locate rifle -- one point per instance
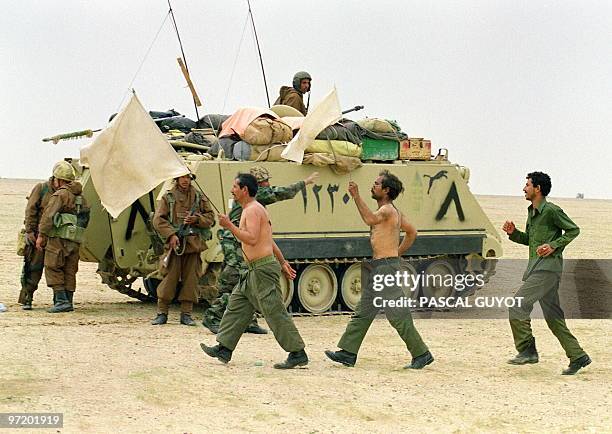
(89, 133)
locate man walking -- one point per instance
(259, 287)
(233, 262)
(547, 233)
(183, 211)
(385, 223)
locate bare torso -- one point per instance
(384, 236)
(255, 213)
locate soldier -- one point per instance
(294, 96)
(233, 261)
(60, 233)
(548, 231)
(385, 223)
(33, 259)
(259, 287)
(183, 218)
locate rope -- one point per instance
(129, 88)
(246, 20)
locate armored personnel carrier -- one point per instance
(319, 231)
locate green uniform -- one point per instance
(33, 259)
(546, 224)
(233, 262)
(366, 311)
(259, 289)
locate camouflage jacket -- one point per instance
(232, 252)
(37, 201)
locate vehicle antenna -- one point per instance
(263, 72)
(171, 12)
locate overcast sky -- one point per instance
(507, 86)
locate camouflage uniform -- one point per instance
(186, 267)
(233, 262)
(33, 260)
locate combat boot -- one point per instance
(528, 355)
(421, 361)
(161, 318)
(187, 320)
(25, 298)
(218, 351)
(61, 302)
(256, 329)
(344, 357)
(576, 365)
(214, 328)
(70, 295)
(296, 358)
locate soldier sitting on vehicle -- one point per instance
(233, 261)
(294, 95)
(183, 212)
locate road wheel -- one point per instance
(436, 281)
(351, 286)
(286, 287)
(317, 288)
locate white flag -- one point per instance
(326, 113)
(129, 158)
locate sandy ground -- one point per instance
(107, 369)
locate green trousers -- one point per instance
(259, 289)
(542, 286)
(366, 311)
(228, 279)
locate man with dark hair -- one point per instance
(294, 95)
(233, 262)
(385, 223)
(391, 182)
(259, 288)
(547, 233)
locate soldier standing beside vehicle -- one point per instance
(183, 218)
(547, 233)
(233, 261)
(33, 259)
(60, 233)
(259, 287)
(294, 95)
(385, 223)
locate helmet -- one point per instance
(261, 174)
(298, 77)
(64, 170)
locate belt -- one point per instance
(270, 259)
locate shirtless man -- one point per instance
(259, 289)
(385, 223)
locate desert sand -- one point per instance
(107, 369)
